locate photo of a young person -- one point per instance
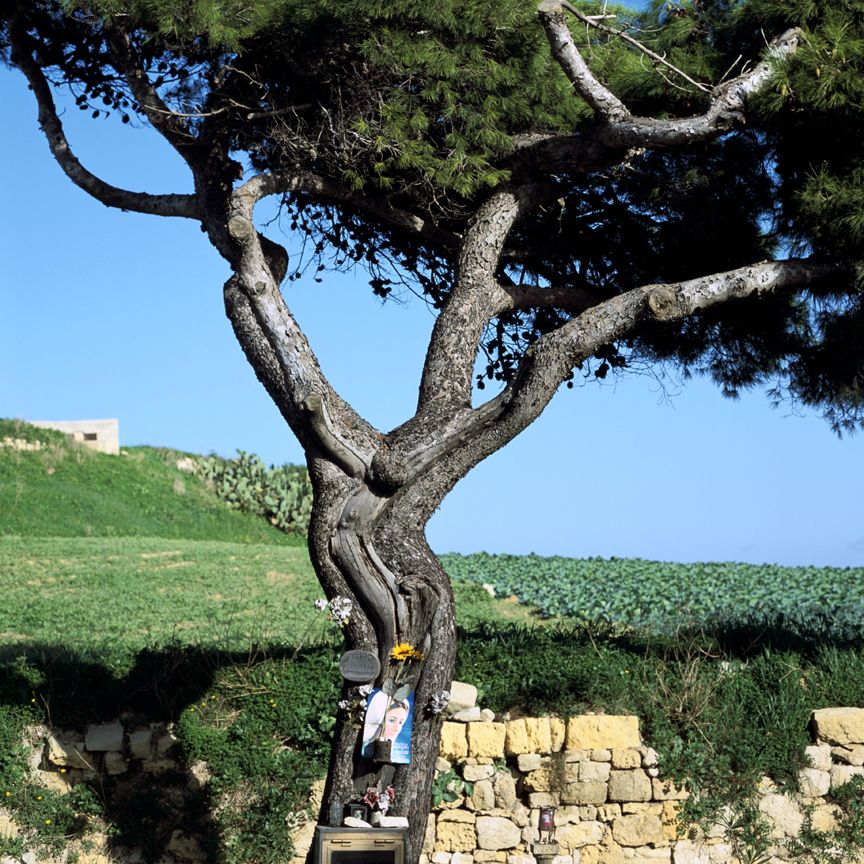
(389, 720)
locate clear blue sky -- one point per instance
(110, 314)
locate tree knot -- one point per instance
(664, 303)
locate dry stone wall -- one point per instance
(612, 803)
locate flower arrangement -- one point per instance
(381, 801)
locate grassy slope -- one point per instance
(123, 552)
(64, 490)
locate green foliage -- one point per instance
(67, 490)
(126, 593)
(809, 602)
(281, 495)
(448, 786)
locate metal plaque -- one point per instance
(359, 666)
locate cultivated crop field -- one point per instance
(662, 597)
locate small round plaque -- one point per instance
(359, 666)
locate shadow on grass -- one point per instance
(284, 702)
(731, 702)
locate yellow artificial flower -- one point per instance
(403, 652)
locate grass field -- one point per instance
(131, 592)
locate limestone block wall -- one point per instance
(613, 804)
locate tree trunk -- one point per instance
(365, 547)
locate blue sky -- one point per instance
(110, 314)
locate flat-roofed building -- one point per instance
(102, 435)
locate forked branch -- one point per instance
(622, 129)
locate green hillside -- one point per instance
(64, 489)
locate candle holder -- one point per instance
(547, 847)
(546, 824)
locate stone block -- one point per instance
(165, 742)
(529, 762)
(824, 817)
(819, 756)
(115, 763)
(484, 795)
(539, 781)
(814, 783)
(638, 830)
(602, 732)
(542, 799)
(783, 813)
(486, 739)
(842, 774)
(429, 836)
(563, 815)
(649, 855)
(666, 790)
(528, 735)
(9, 830)
(505, 790)
(519, 814)
(462, 858)
(839, 725)
(629, 786)
(608, 812)
(103, 737)
(688, 852)
(852, 755)
(588, 812)
(457, 816)
(66, 754)
(441, 857)
(653, 808)
(496, 832)
(557, 733)
(576, 755)
(602, 755)
(584, 793)
(671, 820)
(580, 834)
(720, 853)
(650, 757)
(487, 856)
(462, 696)
(626, 757)
(140, 743)
(594, 772)
(454, 741)
(487, 716)
(520, 858)
(473, 773)
(454, 837)
(468, 715)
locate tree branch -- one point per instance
(620, 129)
(23, 48)
(608, 106)
(377, 207)
(173, 127)
(321, 420)
(548, 363)
(593, 21)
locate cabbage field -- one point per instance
(662, 597)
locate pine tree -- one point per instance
(571, 189)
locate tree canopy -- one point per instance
(408, 114)
(576, 190)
